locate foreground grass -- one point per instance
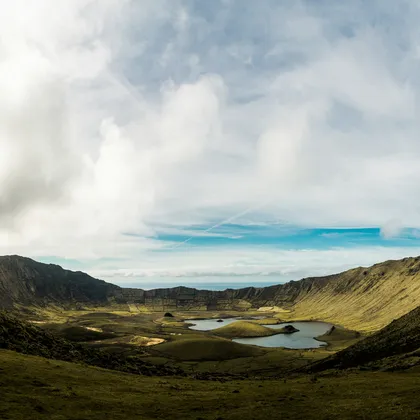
(37, 388)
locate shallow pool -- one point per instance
(302, 339)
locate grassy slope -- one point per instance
(25, 338)
(206, 348)
(339, 338)
(35, 388)
(363, 299)
(396, 345)
(244, 329)
(79, 334)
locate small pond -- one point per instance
(302, 339)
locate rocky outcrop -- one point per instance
(289, 329)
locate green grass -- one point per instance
(36, 388)
(184, 348)
(26, 338)
(244, 329)
(394, 347)
(339, 338)
(266, 321)
(79, 334)
(272, 362)
(206, 348)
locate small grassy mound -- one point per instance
(200, 349)
(101, 315)
(172, 321)
(242, 329)
(339, 334)
(80, 334)
(267, 321)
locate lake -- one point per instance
(302, 339)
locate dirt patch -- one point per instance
(94, 329)
(272, 309)
(146, 341)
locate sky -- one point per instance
(215, 144)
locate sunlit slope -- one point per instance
(397, 346)
(362, 299)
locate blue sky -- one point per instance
(241, 255)
(214, 143)
(286, 237)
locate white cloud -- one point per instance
(119, 116)
(254, 263)
(391, 228)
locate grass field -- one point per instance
(243, 381)
(37, 388)
(206, 348)
(190, 350)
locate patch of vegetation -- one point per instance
(206, 348)
(338, 334)
(242, 329)
(266, 321)
(339, 338)
(79, 334)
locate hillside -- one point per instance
(27, 282)
(395, 346)
(36, 388)
(23, 337)
(364, 299)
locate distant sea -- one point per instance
(198, 285)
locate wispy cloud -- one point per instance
(253, 263)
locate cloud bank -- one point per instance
(138, 117)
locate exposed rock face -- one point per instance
(361, 298)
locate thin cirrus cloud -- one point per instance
(155, 117)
